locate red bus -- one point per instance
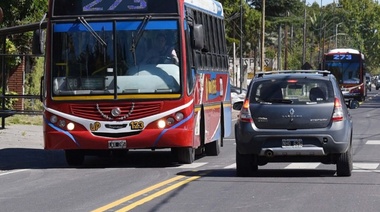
(348, 67)
(101, 94)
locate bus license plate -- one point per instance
(117, 144)
(292, 143)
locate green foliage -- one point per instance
(33, 85)
(25, 119)
(9, 102)
(12, 61)
(278, 8)
(21, 12)
(270, 53)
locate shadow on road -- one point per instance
(25, 158)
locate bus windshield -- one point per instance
(345, 72)
(104, 57)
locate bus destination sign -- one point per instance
(113, 5)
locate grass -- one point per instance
(24, 120)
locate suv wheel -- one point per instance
(344, 163)
(246, 164)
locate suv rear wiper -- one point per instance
(284, 101)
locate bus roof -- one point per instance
(344, 50)
(210, 6)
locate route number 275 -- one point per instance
(98, 5)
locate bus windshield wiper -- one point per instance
(135, 39)
(92, 31)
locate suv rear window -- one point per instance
(292, 91)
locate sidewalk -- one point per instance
(21, 136)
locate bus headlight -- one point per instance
(70, 126)
(61, 123)
(53, 119)
(161, 124)
(179, 116)
(170, 121)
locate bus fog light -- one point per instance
(61, 123)
(161, 124)
(170, 121)
(179, 116)
(53, 119)
(70, 126)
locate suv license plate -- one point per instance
(292, 143)
(118, 144)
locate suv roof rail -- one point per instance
(261, 74)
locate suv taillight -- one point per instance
(245, 115)
(338, 111)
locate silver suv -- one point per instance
(293, 116)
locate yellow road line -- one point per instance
(157, 194)
(122, 200)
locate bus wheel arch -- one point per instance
(213, 148)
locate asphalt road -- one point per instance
(34, 179)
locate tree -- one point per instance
(20, 12)
(278, 8)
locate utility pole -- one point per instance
(336, 34)
(320, 35)
(304, 35)
(241, 46)
(262, 36)
(286, 44)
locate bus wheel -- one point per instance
(74, 157)
(186, 155)
(213, 148)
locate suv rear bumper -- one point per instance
(269, 143)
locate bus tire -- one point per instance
(74, 157)
(213, 148)
(186, 155)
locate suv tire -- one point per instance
(246, 164)
(344, 164)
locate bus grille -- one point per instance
(102, 112)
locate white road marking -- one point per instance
(302, 166)
(366, 171)
(189, 166)
(366, 166)
(12, 172)
(373, 142)
(232, 166)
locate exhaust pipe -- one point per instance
(268, 153)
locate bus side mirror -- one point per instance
(198, 37)
(38, 45)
